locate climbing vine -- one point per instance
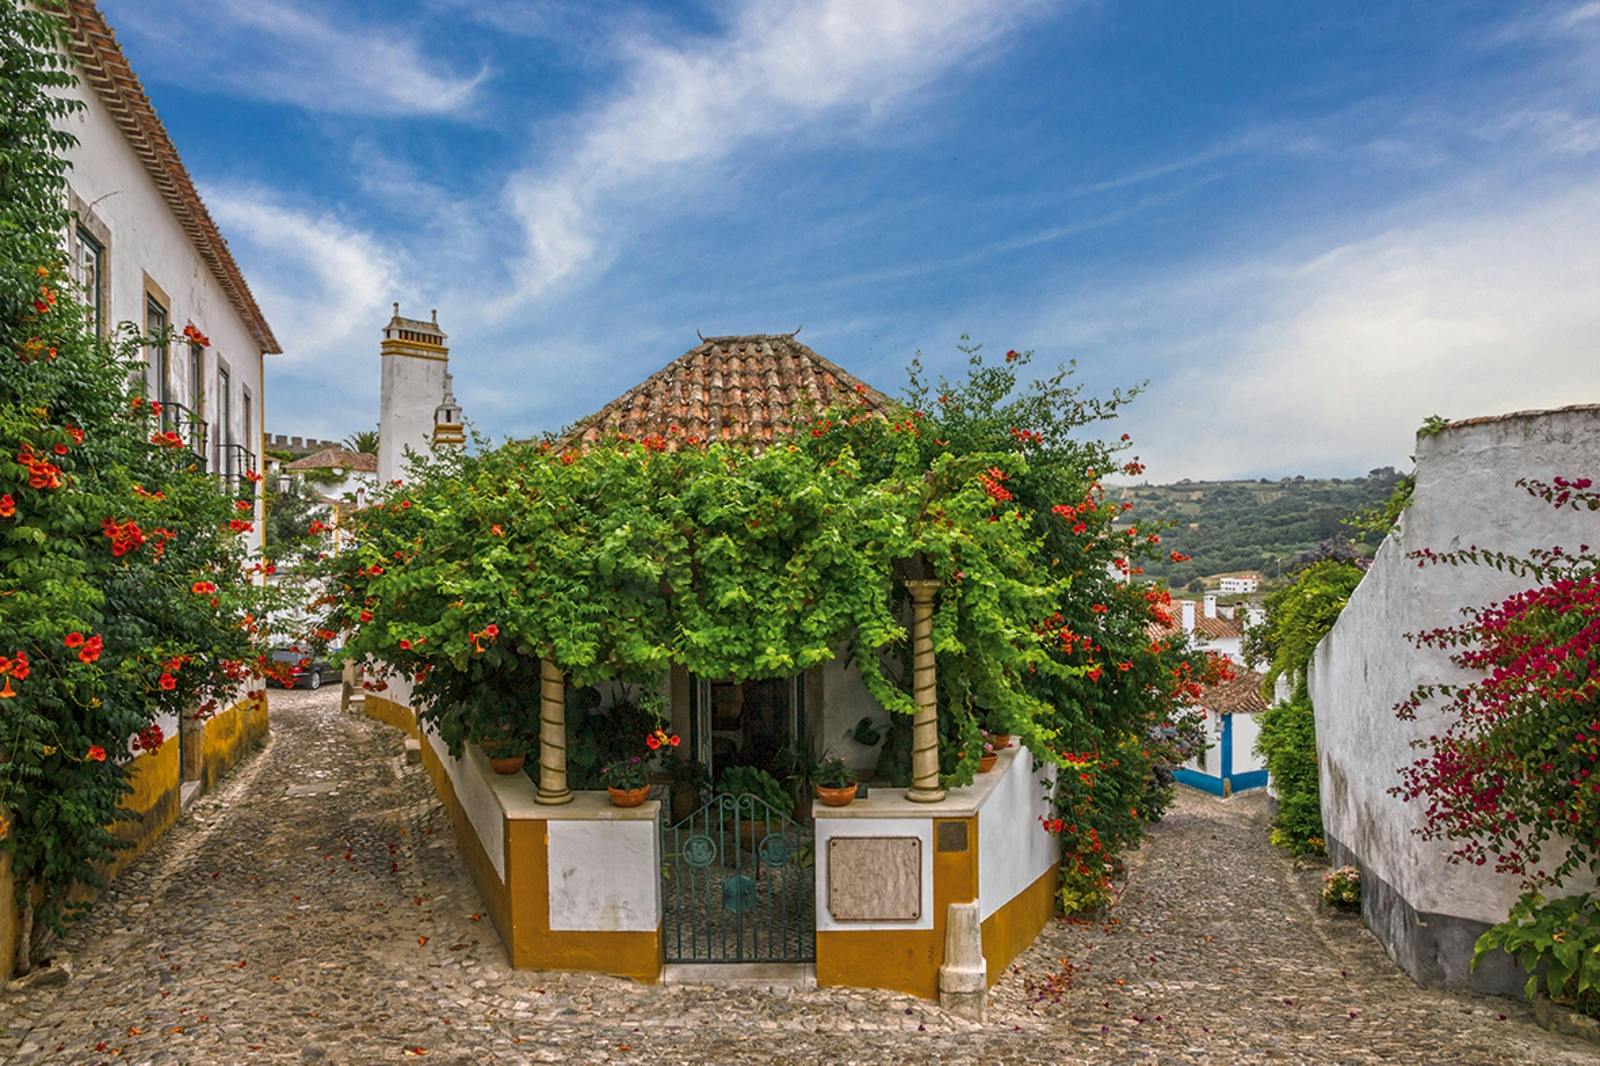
(124, 589)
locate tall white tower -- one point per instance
(416, 372)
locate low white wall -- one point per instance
(1014, 849)
(604, 875)
(1466, 494)
(828, 827)
(476, 796)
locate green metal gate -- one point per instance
(738, 885)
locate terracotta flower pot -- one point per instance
(1001, 741)
(507, 764)
(986, 763)
(501, 761)
(837, 797)
(628, 797)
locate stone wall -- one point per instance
(1428, 912)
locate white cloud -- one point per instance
(1329, 364)
(685, 109)
(323, 284)
(296, 53)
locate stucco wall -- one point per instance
(146, 239)
(412, 388)
(1014, 849)
(845, 702)
(1427, 911)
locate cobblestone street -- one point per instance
(313, 909)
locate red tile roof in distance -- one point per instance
(105, 70)
(1241, 695)
(748, 389)
(328, 458)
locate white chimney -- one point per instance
(1211, 605)
(1188, 615)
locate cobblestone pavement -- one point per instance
(312, 909)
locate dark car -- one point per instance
(301, 670)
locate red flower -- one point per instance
(203, 588)
(8, 506)
(675, 740)
(651, 742)
(1094, 673)
(167, 682)
(73, 639)
(91, 650)
(366, 616)
(1099, 608)
(491, 630)
(405, 645)
(96, 753)
(61, 449)
(76, 434)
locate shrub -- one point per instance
(1342, 888)
(833, 772)
(1288, 741)
(751, 781)
(1557, 943)
(1085, 885)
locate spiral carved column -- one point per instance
(552, 735)
(925, 689)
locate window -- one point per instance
(197, 378)
(155, 324)
(89, 273)
(224, 430)
(245, 425)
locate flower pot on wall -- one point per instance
(986, 763)
(502, 760)
(628, 797)
(1001, 741)
(837, 797)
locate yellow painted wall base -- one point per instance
(391, 713)
(519, 906)
(1008, 931)
(230, 734)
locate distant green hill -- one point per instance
(1253, 525)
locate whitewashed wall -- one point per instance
(1427, 911)
(146, 238)
(412, 388)
(845, 702)
(1014, 849)
(828, 828)
(605, 876)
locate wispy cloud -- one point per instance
(324, 285)
(297, 53)
(685, 108)
(1329, 363)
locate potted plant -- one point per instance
(999, 733)
(506, 751)
(690, 784)
(627, 780)
(986, 761)
(767, 792)
(835, 782)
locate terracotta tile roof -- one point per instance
(749, 389)
(1242, 695)
(105, 70)
(361, 462)
(1218, 628)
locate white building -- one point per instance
(418, 406)
(1238, 584)
(1230, 763)
(1427, 911)
(145, 251)
(1209, 627)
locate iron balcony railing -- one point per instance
(190, 428)
(238, 462)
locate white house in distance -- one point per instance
(1230, 764)
(144, 250)
(1243, 583)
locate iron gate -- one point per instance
(738, 885)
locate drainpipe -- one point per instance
(552, 735)
(925, 689)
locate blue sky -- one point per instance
(1307, 226)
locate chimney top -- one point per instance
(1211, 605)
(1188, 616)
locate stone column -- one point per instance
(552, 735)
(925, 689)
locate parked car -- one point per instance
(302, 670)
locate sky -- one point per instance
(1304, 228)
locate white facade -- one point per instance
(1235, 585)
(1427, 911)
(416, 371)
(143, 269)
(135, 253)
